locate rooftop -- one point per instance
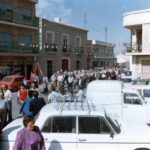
(63, 24)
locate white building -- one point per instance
(103, 54)
(139, 47)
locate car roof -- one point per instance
(72, 108)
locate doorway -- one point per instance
(64, 64)
(49, 68)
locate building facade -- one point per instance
(138, 22)
(62, 46)
(18, 36)
(102, 54)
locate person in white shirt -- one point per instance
(53, 96)
(53, 79)
(70, 82)
(60, 80)
(8, 97)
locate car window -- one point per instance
(60, 125)
(93, 125)
(131, 98)
(146, 92)
(18, 79)
(6, 79)
(128, 73)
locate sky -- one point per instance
(102, 18)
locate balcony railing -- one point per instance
(103, 55)
(133, 47)
(79, 50)
(66, 49)
(18, 18)
(18, 47)
(50, 47)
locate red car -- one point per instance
(13, 81)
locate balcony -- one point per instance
(101, 56)
(66, 49)
(79, 50)
(18, 48)
(49, 47)
(9, 16)
(133, 48)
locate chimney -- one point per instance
(58, 19)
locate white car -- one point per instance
(119, 101)
(81, 126)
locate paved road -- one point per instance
(16, 107)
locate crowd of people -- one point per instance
(75, 79)
(63, 85)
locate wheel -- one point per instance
(142, 149)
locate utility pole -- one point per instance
(106, 34)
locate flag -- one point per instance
(37, 69)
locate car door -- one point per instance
(94, 133)
(134, 107)
(60, 133)
(146, 95)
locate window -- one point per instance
(5, 6)
(18, 79)
(77, 64)
(65, 39)
(6, 40)
(24, 11)
(7, 79)
(131, 98)
(60, 125)
(24, 40)
(78, 41)
(146, 92)
(50, 37)
(24, 15)
(114, 124)
(93, 125)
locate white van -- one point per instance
(81, 126)
(119, 101)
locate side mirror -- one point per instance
(111, 134)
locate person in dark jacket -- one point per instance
(36, 104)
(26, 105)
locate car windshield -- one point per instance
(128, 73)
(114, 125)
(6, 79)
(141, 82)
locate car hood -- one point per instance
(134, 131)
(10, 131)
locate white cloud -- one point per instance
(51, 9)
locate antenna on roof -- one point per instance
(85, 20)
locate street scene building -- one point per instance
(138, 22)
(18, 36)
(63, 47)
(102, 54)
